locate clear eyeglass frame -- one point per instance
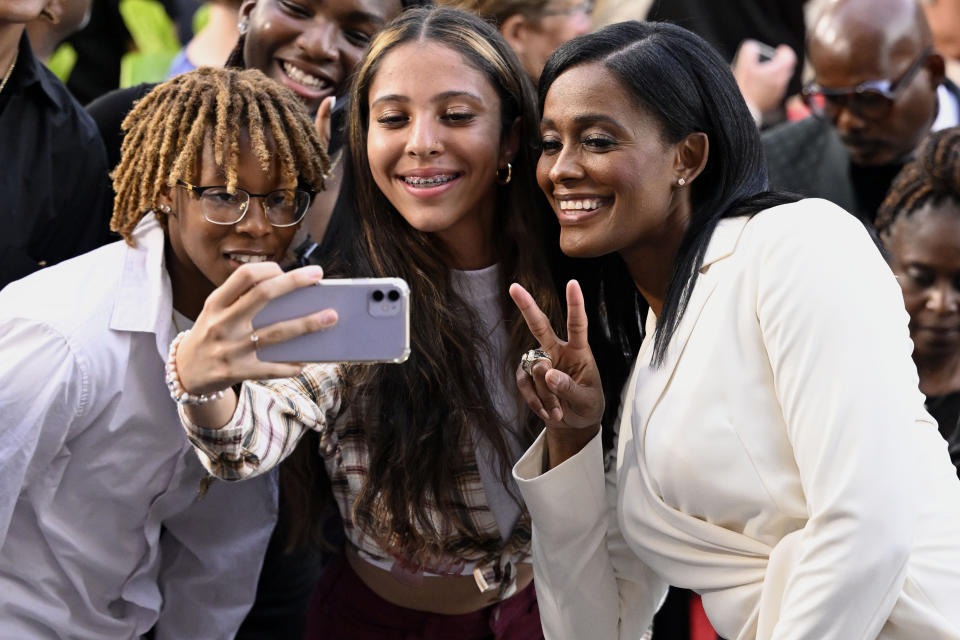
(219, 206)
(586, 7)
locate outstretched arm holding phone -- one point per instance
(221, 349)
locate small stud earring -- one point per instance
(165, 209)
(242, 27)
(681, 182)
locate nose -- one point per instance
(565, 168)
(254, 222)
(424, 138)
(847, 120)
(943, 299)
(319, 40)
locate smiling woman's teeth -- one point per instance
(244, 258)
(587, 204)
(427, 182)
(303, 77)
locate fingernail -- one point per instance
(557, 414)
(328, 317)
(313, 271)
(333, 102)
(544, 415)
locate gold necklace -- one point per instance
(10, 70)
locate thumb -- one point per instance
(583, 400)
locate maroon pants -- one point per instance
(344, 608)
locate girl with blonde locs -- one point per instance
(84, 344)
(416, 456)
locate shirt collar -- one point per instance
(948, 115)
(144, 300)
(30, 71)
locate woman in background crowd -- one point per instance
(919, 224)
(532, 28)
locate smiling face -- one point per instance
(925, 249)
(312, 46)
(434, 146)
(201, 254)
(605, 168)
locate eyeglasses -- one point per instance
(282, 208)
(585, 8)
(872, 99)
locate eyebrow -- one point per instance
(366, 16)
(440, 97)
(585, 119)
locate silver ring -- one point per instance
(530, 358)
(255, 339)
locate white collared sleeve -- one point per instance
(270, 418)
(44, 390)
(589, 583)
(835, 330)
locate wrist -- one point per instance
(563, 443)
(174, 384)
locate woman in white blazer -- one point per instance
(774, 454)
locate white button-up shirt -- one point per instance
(102, 530)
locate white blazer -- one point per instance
(779, 462)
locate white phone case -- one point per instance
(373, 322)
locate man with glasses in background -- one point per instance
(879, 88)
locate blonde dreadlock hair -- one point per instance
(166, 130)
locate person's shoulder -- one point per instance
(795, 130)
(812, 220)
(67, 295)
(116, 104)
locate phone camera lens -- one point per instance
(393, 295)
(377, 295)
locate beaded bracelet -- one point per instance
(177, 392)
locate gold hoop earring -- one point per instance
(505, 180)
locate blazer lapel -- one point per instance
(653, 382)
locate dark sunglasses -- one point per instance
(872, 99)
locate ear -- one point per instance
(514, 31)
(245, 9)
(691, 156)
(510, 143)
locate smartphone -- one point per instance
(373, 322)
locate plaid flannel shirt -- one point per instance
(271, 417)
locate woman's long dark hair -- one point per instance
(426, 408)
(679, 79)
